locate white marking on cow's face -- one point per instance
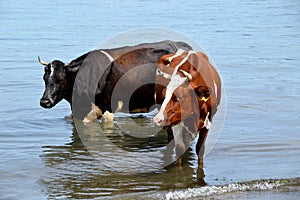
(182, 61)
(175, 82)
(207, 123)
(159, 117)
(163, 74)
(51, 70)
(178, 53)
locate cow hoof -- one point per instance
(200, 177)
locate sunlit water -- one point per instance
(256, 46)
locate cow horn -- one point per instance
(189, 76)
(42, 62)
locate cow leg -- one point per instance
(93, 115)
(179, 143)
(200, 146)
(168, 153)
(170, 134)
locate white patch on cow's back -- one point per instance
(107, 55)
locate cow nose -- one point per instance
(157, 121)
(45, 102)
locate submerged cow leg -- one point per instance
(93, 115)
(170, 134)
(179, 143)
(200, 146)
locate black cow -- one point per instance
(60, 77)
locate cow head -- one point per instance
(184, 94)
(185, 104)
(172, 111)
(171, 88)
(56, 82)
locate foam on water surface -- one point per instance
(215, 190)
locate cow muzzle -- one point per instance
(157, 121)
(160, 121)
(46, 103)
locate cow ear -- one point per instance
(72, 68)
(74, 65)
(203, 92)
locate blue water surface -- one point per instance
(256, 48)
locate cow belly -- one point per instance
(135, 89)
(142, 99)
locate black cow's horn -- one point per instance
(42, 62)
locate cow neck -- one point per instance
(72, 77)
(71, 80)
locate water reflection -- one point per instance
(75, 172)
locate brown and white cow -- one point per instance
(188, 88)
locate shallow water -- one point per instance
(256, 47)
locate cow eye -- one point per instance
(179, 98)
(59, 81)
(166, 62)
